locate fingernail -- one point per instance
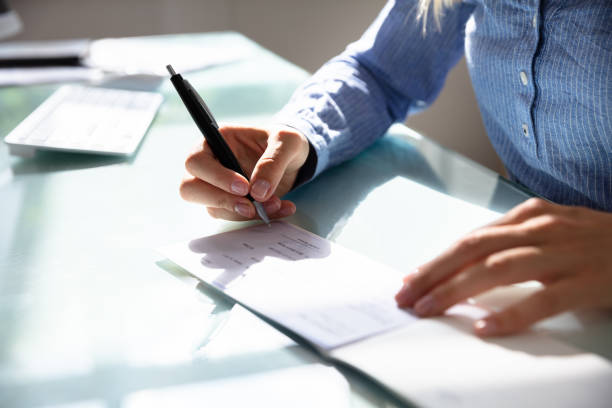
(425, 306)
(239, 187)
(403, 295)
(485, 327)
(260, 190)
(243, 209)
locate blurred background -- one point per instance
(306, 33)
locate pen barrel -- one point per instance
(213, 137)
(220, 148)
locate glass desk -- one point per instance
(92, 316)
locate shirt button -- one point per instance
(523, 77)
(525, 130)
(534, 22)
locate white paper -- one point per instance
(329, 294)
(440, 363)
(150, 56)
(325, 293)
(29, 76)
(44, 49)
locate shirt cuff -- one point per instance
(307, 171)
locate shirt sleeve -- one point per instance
(393, 70)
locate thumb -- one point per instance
(283, 153)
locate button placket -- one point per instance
(527, 81)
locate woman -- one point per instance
(542, 74)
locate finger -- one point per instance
(275, 208)
(410, 275)
(524, 211)
(236, 131)
(222, 214)
(203, 165)
(502, 268)
(464, 252)
(547, 302)
(286, 208)
(282, 148)
(198, 191)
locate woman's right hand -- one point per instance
(271, 158)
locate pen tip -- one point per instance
(170, 69)
(261, 212)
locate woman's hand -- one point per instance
(272, 158)
(567, 249)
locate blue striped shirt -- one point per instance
(541, 71)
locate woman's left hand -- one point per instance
(567, 249)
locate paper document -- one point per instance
(30, 76)
(325, 293)
(342, 303)
(149, 56)
(49, 51)
(96, 60)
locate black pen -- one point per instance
(208, 126)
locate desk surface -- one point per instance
(91, 315)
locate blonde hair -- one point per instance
(437, 7)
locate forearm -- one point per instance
(339, 110)
(391, 71)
